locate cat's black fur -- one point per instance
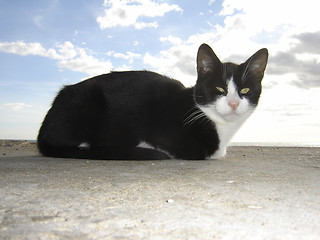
(113, 113)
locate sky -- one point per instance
(50, 43)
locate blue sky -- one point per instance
(47, 44)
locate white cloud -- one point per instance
(67, 50)
(22, 48)
(68, 56)
(141, 25)
(127, 13)
(86, 63)
(130, 56)
(127, 56)
(171, 39)
(177, 62)
(17, 107)
(269, 15)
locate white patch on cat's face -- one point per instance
(231, 107)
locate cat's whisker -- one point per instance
(191, 118)
(194, 116)
(193, 111)
(205, 120)
(191, 121)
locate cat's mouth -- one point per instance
(231, 116)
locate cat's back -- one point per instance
(126, 85)
(136, 80)
(129, 87)
(132, 89)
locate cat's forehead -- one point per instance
(228, 71)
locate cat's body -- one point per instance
(144, 115)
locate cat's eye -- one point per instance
(220, 89)
(244, 90)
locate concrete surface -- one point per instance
(254, 193)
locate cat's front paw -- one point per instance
(220, 153)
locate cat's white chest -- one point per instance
(225, 132)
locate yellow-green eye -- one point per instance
(220, 89)
(244, 90)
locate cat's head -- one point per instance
(227, 91)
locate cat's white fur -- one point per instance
(84, 145)
(227, 120)
(144, 144)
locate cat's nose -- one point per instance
(234, 105)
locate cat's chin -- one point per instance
(231, 117)
(218, 117)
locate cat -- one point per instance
(143, 115)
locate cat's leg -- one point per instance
(220, 153)
(139, 153)
(126, 153)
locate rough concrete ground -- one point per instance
(254, 193)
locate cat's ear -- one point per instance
(255, 66)
(207, 61)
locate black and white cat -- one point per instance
(144, 115)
